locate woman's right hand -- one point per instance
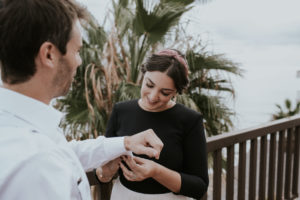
(107, 171)
(140, 168)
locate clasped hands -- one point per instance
(140, 168)
(146, 143)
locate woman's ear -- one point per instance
(174, 97)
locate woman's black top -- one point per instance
(182, 133)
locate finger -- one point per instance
(127, 174)
(125, 170)
(154, 142)
(131, 163)
(127, 177)
(149, 151)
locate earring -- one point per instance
(174, 98)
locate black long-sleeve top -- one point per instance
(182, 133)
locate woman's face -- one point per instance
(157, 90)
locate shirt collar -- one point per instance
(42, 116)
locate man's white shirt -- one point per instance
(36, 161)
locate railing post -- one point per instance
(280, 165)
(230, 173)
(242, 171)
(296, 163)
(272, 166)
(217, 179)
(262, 169)
(253, 166)
(288, 165)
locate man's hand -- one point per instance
(145, 142)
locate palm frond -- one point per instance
(186, 100)
(286, 111)
(200, 61)
(127, 91)
(156, 23)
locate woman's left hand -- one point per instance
(140, 168)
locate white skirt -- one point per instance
(120, 192)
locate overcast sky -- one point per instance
(262, 35)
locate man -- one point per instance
(39, 53)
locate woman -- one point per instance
(181, 170)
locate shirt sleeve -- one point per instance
(194, 177)
(42, 176)
(93, 153)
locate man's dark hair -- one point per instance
(173, 68)
(25, 25)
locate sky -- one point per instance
(263, 36)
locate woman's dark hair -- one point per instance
(169, 64)
(25, 25)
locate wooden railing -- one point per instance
(271, 171)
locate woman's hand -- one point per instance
(143, 168)
(140, 168)
(107, 171)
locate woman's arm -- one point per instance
(194, 175)
(168, 178)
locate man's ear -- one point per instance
(48, 54)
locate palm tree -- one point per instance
(288, 111)
(111, 60)
(110, 72)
